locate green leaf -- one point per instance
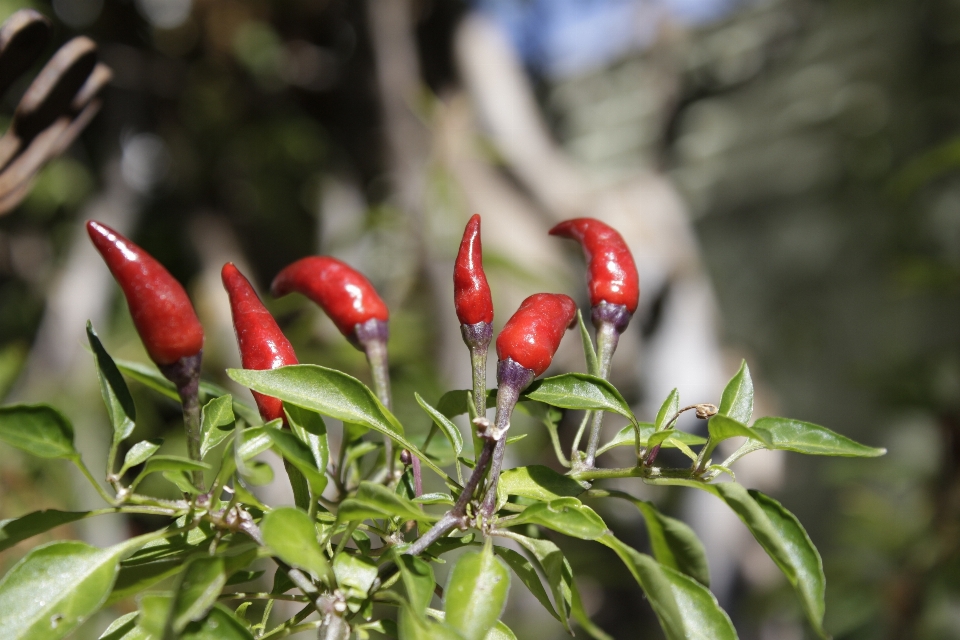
(579, 391)
(669, 408)
(418, 580)
(215, 414)
(415, 626)
(54, 588)
(291, 535)
(538, 482)
(476, 593)
(686, 609)
(556, 569)
(355, 574)
(331, 393)
(457, 402)
(567, 515)
(197, 591)
(151, 377)
(16, 530)
(219, 624)
(674, 544)
(737, 399)
(722, 427)
(627, 436)
(812, 439)
(528, 576)
(311, 429)
(450, 430)
(139, 453)
(589, 352)
(38, 429)
(500, 631)
(168, 463)
(781, 536)
(300, 456)
(116, 395)
(125, 628)
(434, 498)
(374, 501)
(580, 615)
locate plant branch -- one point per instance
(608, 335)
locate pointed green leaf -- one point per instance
(528, 576)
(556, 569)
(300, 456)
(500, 631)
(139, 453)
(781, 536)
(457, 402)
(125, 628)
(579, 391)
(812, 439)
(116, 395)
(54, 588)
(722, 427)
(589, 352)
(16, 530)
(674, 544)
(686, 609)
(567, 515)
(626, 437)
(476, 593)
(215, 415)
(355, 574)
(39, 430)
(331, 393)
(219, 624)
(311, 429)
(291, 535)
(669, 408)
(450, 430)
(416, 626)
(737, 399)
(538, 482)
(418, 580)
(374, 501)
(197, 591)
(166, 464)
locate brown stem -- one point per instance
(185, 374)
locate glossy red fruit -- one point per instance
(262, 344)
(532, 335)
(613, 274)
(343, 293)
(161, 310)
(471, 293)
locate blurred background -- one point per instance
(787, 173)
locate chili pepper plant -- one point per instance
(374, 517)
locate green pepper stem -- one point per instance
(372, 336)
(185, 374)
(608, 335)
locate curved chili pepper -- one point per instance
(262, 344)
(471, 293)
(613, 274)
(341, 291)
(161, 310)
(532, 335)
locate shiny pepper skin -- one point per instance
(613, 274)
(161, 310)
(471, 293)
(532, 335)
(341, 291)
(262, 344)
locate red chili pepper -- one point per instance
(161, 310)
(471, 293)
(613, 274)
(343, 293)
(262, 344)
(532, 335)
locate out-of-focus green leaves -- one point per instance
(377, 501)
(16, 530)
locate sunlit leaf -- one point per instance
(139, 453)
(538, 482)
(374, 501)
(579, 391)
(418, 580)
(476, 593)
(812, 439)
(125, 628)
(737, 399)
(38, 429)
(215, 415)
(528, 576)
(669, 408)
(197, 591)
(626, 437)
(311, 429)
(300, 456)
(567, 515)
(450, 430)
(291, 535)
(589, 352)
